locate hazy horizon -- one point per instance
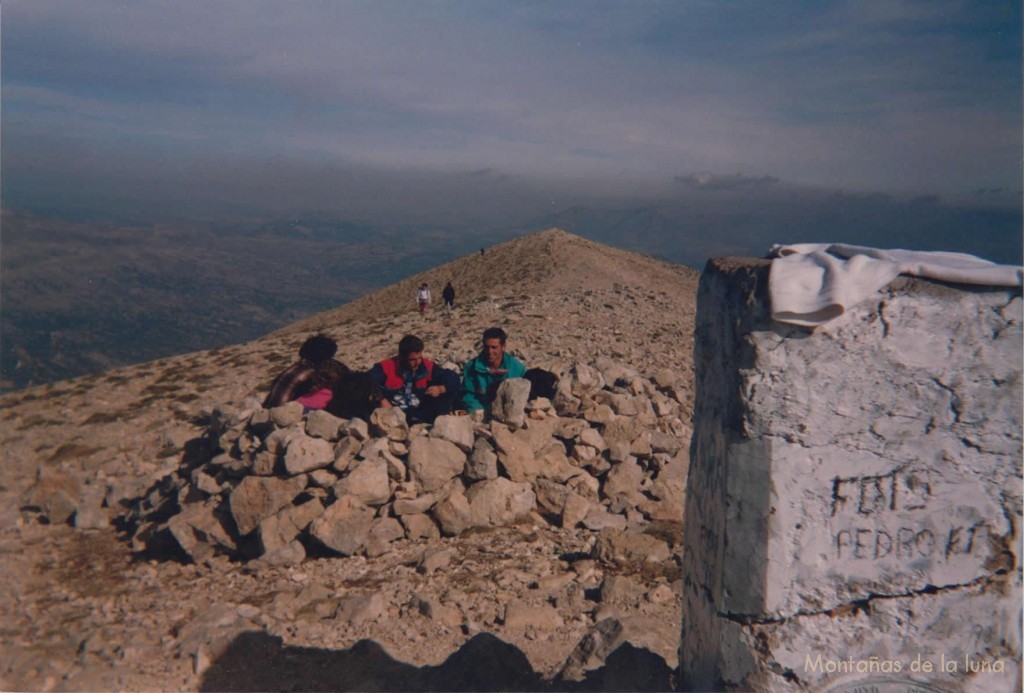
(248, 151)
(490, 111)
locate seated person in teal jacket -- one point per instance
(481, 375)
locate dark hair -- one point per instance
(495, 333)
(317, 349)
(328, 373)
(542, 383)
(410, 344)
(356, 395)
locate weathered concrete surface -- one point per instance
(854, 491)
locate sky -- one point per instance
(311, 101)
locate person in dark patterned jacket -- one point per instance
(421, 388)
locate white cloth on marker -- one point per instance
(812, 283)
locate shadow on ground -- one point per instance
(259, 662)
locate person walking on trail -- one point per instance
(482, 375)
(423, 298)
(449, 296)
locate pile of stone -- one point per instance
(609, 451)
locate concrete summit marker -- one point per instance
(853, 507)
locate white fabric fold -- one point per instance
(812, 283)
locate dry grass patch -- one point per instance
(240, 362)
(102, 417)
(158, 389)
(71, 451)
(37, 420)
(146, 401)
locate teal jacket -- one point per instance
(478, 383)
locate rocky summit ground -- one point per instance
(526, 606)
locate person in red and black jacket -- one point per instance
(421, 388)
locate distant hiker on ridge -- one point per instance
(449, 296)
(422, 389)
(423, 297)
(481, 375)
(301, 378)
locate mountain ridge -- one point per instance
(551, 322)
(552, 260)
(119, 435)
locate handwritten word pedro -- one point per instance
(908, 543)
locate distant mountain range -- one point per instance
(81, 295)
